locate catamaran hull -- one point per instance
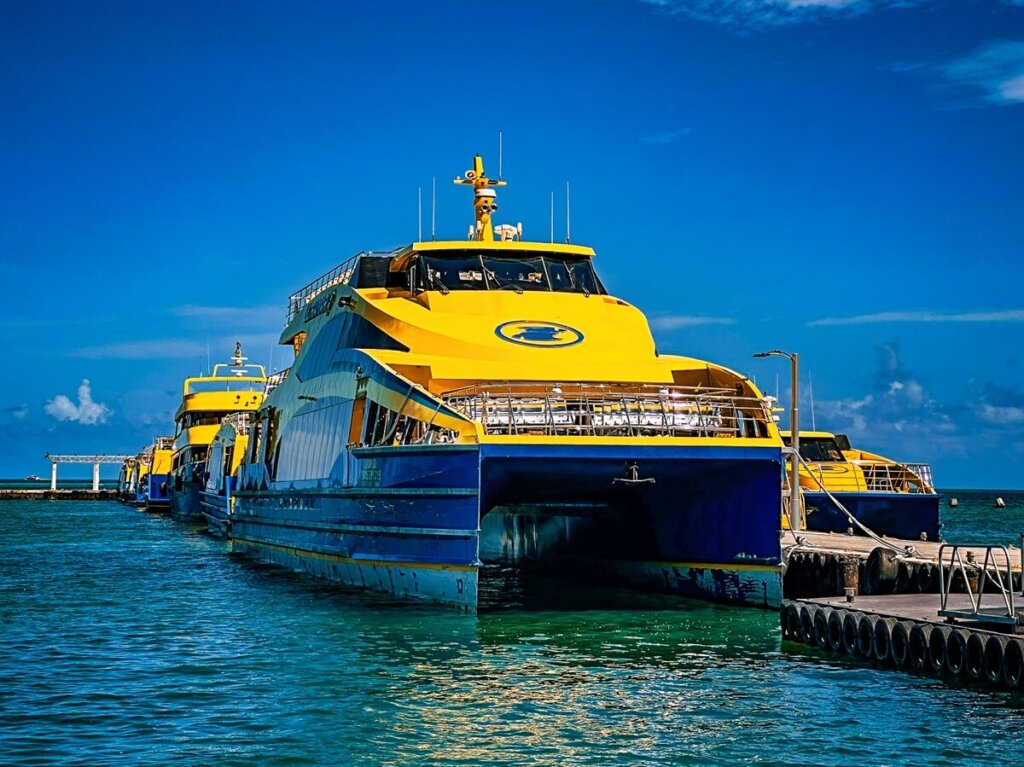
(185, 504)
(157, 498)
(215, 511)
(421, 520)
(897, 515)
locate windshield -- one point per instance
(516, 272)
(819, 449)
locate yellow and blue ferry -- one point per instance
(889, 498)
(232, 387)
(127, 480)
(155, 491)
(461, 402)
(225, 456)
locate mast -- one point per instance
(484, 199)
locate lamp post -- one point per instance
(795, 510)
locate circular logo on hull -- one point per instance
(551, 335)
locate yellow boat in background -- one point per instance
(888, 497)
(231, 388)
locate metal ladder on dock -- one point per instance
(975, 578)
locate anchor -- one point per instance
(633, 477)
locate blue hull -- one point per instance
(158, 498)
(215, 510)
(417, 521)
(185, 503)
(898, 515)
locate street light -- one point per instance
(794, 429)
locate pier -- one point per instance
(95, 460)
(970, 630)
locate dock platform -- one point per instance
(905, 631)
(45, 494)
(826, 564)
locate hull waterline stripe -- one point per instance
(311, 554)
(342, 527)
(360, 492)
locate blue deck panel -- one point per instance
(898, 515)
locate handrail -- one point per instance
(624, 410)
(989, 565)
(339, 275)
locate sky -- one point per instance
(839, 178)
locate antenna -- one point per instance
(568, 239)
(433, 208)
(419, 213)
(552, 217)
(499, 155)
(208, 368)
(776, 387)
(810, 390)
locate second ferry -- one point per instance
(467, 402)
(231, 387)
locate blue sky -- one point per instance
(843, 178)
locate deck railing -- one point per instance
(339, 275)
(240, 421)
(598, 410)
(275, 379)
(874, 476)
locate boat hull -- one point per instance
(898, 515)
(157, 497)
(419, 521)
(216, 513)
(185, 503)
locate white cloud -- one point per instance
(1010, 315)
(675, 321)
(665, 137)
(768, 13)
(140, 350)
(87, 411)
(994, 70)
(270, 314)
(1001, 416)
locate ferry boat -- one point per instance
(459, 403)
(155, 494)
(127, 479)
(887, 497)
(225, 456)
(231, 387)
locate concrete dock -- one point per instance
(46, 494)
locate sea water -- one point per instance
(128, 638)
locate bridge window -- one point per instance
(515, 270)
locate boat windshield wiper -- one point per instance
(572, 281)
(502, 286)
(437, 282)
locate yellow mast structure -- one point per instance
(484, 199)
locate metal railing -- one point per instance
(607, 410)
(339, 275)
(874, 476)
(240, 421)
(275, 379)
(163, 443)
(990, 571)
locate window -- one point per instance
(512, 270)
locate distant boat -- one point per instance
(33, 478)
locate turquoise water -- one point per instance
(127, 638)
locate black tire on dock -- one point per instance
(880, 571)
(975, 665)
(995, 650)
(821, 627)
(792, 622)
(866, 635)
(899, 643)
(937, 648)
(1013, 662)
(850, 623)
(917, 650)
(807, 623)
(835, 630)
(956, 650)
(923, 579)
(883, 639)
